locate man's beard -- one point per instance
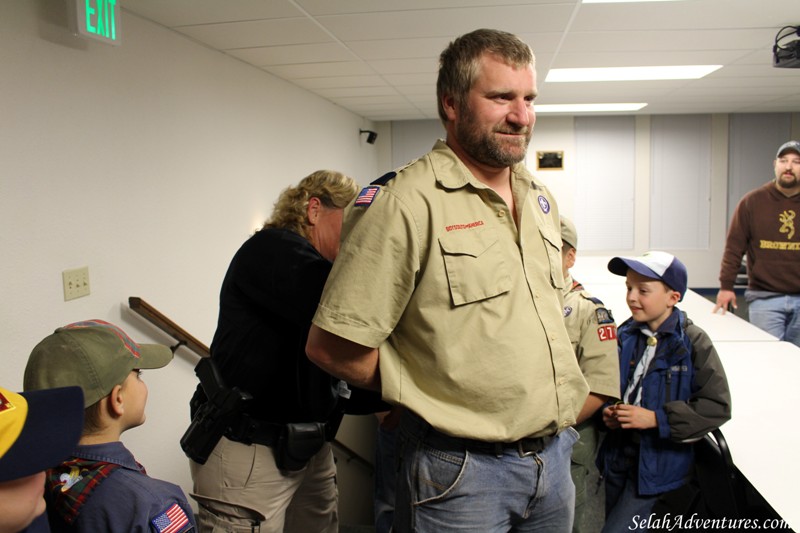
(487, 149)
(788, 180)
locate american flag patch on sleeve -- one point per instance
(173, 520)
(366, 196)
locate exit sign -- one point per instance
(99, 19)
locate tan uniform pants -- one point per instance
(240, 487)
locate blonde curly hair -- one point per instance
(334, 190)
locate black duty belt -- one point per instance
(249, 431)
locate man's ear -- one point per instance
(449, 106)
(313, 209)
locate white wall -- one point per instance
(558, 133)
(150, 163)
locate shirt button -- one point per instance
(501, 214)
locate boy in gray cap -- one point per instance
(102, 487)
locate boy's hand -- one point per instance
(633, 417)
(610, 417)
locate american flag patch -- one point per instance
(173, 520)
(366, 196)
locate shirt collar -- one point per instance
(110, 452)
(452, 173)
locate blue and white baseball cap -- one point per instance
(657, 265)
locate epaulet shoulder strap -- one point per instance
(383, 180)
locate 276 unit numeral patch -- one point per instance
(607, 333)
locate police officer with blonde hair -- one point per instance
(273, 468)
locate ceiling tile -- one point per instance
(172, 13)
(293, 54)
(320, 70)
(379, 58)
(229, 35)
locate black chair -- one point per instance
(716, 490)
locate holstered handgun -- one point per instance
(213, 418)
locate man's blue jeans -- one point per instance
(446, 486)
(779, 316)
(385, 469)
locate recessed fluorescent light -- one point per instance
(678, 72)
(585, 108)
(620, 1)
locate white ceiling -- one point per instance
(379, 58)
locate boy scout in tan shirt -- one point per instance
(593, 334)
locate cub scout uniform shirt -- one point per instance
(593, 334)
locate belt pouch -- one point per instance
(297, 444)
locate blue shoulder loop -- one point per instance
(598, 301)
(383, 180)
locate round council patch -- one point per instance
(544, 204)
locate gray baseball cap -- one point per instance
(790, 146)
(94, 355)
(568, 232)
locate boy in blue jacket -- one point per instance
(673, 391)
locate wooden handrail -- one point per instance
(155, 316)
(353, 455)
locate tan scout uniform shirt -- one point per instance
(593, 334)
(465, 307)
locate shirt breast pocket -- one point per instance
(476, 269)
(552, 244)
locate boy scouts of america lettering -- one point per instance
(469, 225)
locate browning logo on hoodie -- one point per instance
(787, 220)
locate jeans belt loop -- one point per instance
(523, 452)
(498, 449)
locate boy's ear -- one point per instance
(116, 403)
(674, 298)
(571, 257)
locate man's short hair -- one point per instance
(459, 63)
